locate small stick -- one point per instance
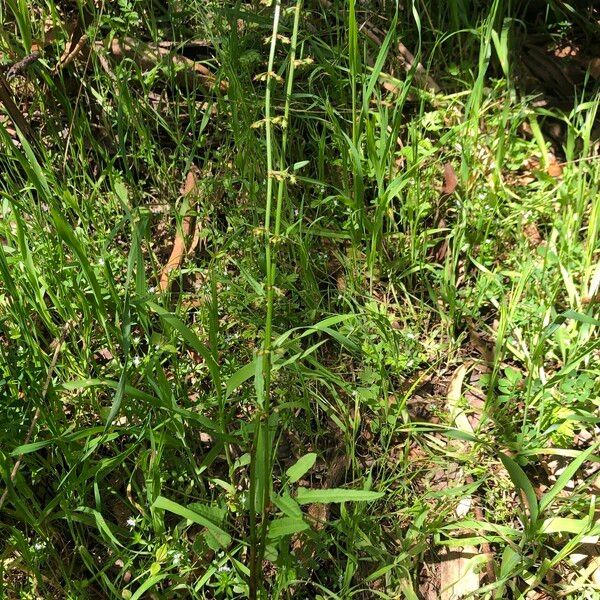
(21, 65)
(71, 53)
(179, 251)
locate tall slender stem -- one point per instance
(261, 432)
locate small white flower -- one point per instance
(224, 568)
(38, 546)
(101, 262)
(177, 558)
(131, 522)
(152, 289)
(136, 361)
(296, 212)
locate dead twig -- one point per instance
(6, 98)
(77, 41)
(147, 56)
(19, 66)
(72, 52)
(187, 228)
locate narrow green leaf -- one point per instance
(102, 525)
(564, 525)
(379, 62)
(152, 400)
(301, 466)
(565, 477)
(327, 496)
(286, 526)
(68, 236)
(287, 505)
(221, 536)
(149, 583)
(521, 482)
(510, 559)
(239, 377)
(191, 339)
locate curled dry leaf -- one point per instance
(464, 506)
(72, 51)
(179, 251)
(532, 233)
(450, 179)
(458, 568)
(553, 167)
(453, 397)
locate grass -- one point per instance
(290, 417)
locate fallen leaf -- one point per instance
(450, 179)
(105, 354)
(458, 575)
(553, 167)
(179, 250)
(463, 508)
(453, 397)
(532, 234)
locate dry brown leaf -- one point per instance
(458, 575)
(72, 51)
(105, 354)
(450, 179)
(421, 78)
(532, 233)
(458, 578)
(179, 251)
(553, 167)
(453, 397)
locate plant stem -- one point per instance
(261, 431)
